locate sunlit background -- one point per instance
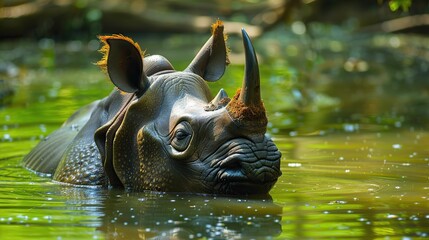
(345, 84)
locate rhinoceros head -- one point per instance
(173, 136)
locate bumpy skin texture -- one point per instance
(162, 130)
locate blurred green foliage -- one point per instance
(395, 5)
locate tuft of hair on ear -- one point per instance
(217, 28)
(106, 47)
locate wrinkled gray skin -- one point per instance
(161, 129)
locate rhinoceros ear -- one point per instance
(123, 61)
(211, 60)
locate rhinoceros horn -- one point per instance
(246, 107)
(250, 93)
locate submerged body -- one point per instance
(161, 130)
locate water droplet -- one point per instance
(350, 127)
(396, 146)
(7, 137)
(295, 165)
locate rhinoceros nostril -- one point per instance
(231, 162)
(234, 165)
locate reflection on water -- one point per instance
(355, 157)
(365, 185)
(136, 216)
(119, 215)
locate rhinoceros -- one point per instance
(161, 130)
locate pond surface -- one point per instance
(353, 133)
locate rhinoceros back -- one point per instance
(70, 154)
(44, 158)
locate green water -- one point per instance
(353, 133)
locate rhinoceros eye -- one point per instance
(182, 136)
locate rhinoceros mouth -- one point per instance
(236, 182)
(241, 166)
(245, 187)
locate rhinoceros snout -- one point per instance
(241, 166)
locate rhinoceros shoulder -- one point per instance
(44, 158)
(82, 160)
